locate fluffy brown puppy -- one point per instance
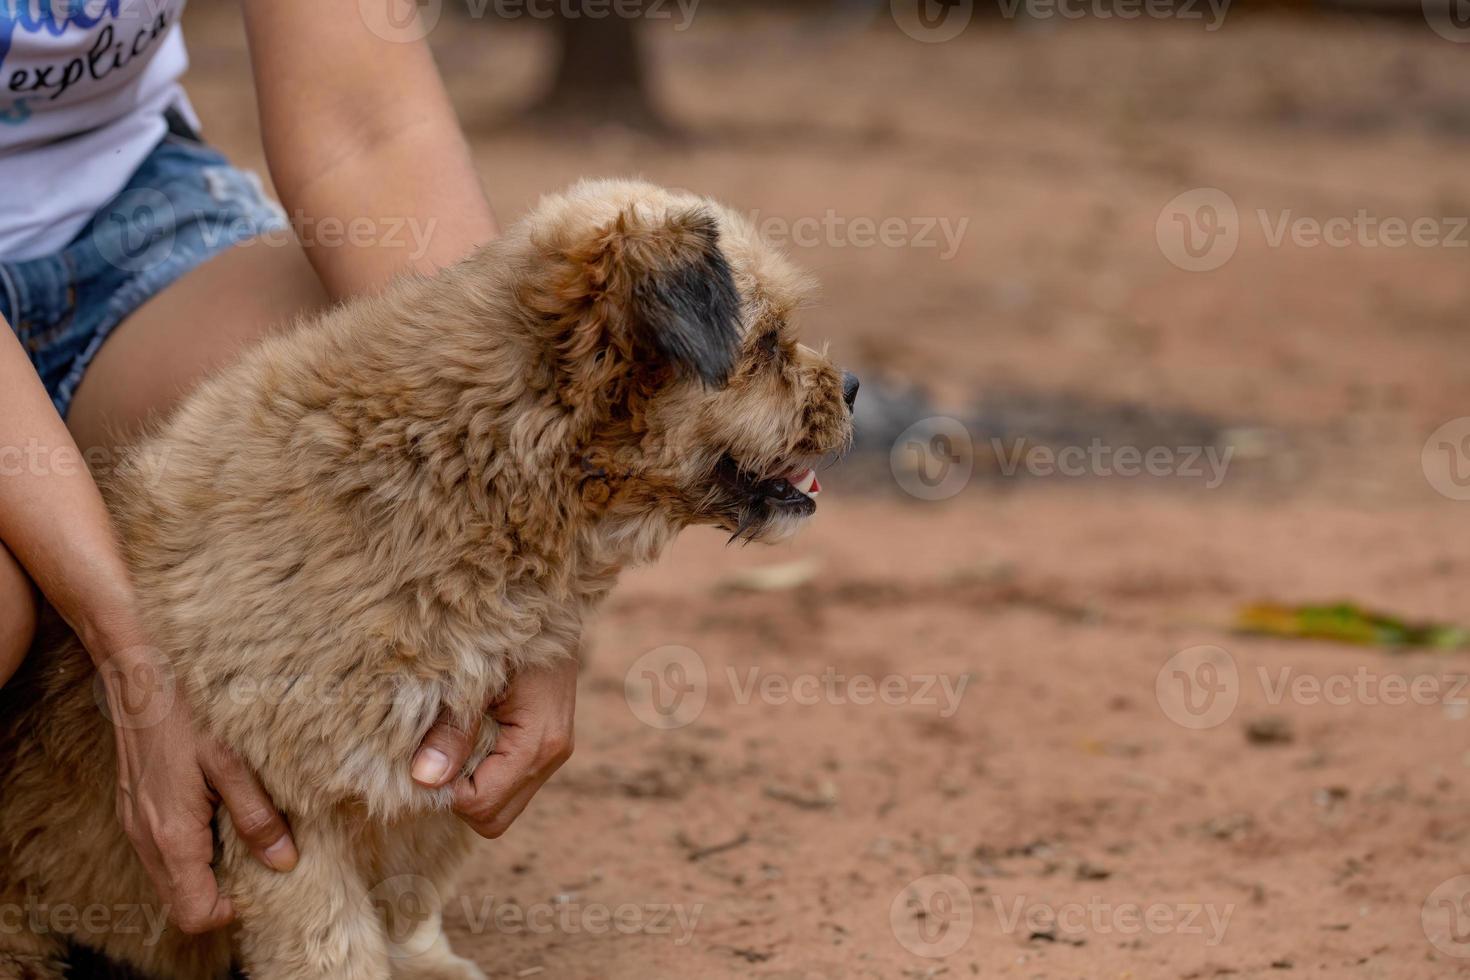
(389, 511)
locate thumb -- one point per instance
(444, 750)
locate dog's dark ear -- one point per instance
(641, 297)
(685, 301)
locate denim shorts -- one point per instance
(182, 207)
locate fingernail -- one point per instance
(430, 766)
(281, 855)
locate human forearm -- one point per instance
(52, 517)
(362, 140)
(415, 217)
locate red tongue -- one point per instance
(796, 476)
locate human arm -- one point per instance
(359, 129)
(53, 520)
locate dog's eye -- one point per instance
(769, 344)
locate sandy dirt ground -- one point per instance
(1031, 804)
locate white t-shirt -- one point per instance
(83, 88)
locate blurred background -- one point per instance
(1157, 517)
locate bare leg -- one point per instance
(195, 327)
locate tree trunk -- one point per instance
(601, 76)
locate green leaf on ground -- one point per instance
(1346, 622)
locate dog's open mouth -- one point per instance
(793, 490)
(792, 486)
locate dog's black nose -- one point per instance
(849, 388)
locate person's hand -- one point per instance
(170, 778)
(536, 722)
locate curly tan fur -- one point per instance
(387, 512)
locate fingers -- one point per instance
(197, 904)
(444, 751)
(256, 819)
(480, 799)
(536, 716)
(504, 784)
(492, 818)
(176, 859)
